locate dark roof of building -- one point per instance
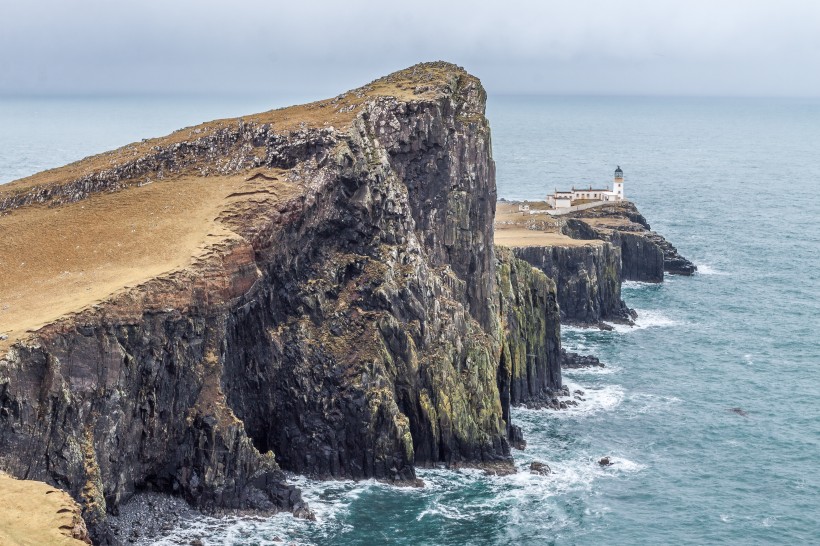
(618, 170)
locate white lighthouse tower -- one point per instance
(618, 186)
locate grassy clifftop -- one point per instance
(36, 514)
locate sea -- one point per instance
(709, 407)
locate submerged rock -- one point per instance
(537, 467)
(575, 360)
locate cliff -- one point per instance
(588, 277)
(529, 370)
(646, 255)
(311, 289)
(589, 254)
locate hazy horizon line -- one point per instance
(490, 94)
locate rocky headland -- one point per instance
(313, 289)
(590, 253)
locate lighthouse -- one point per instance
(618, 186)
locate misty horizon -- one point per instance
(593, 48)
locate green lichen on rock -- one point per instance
(529, 367)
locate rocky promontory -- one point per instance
(589, 253)
(313, 289)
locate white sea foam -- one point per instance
(591, 370)
(443, 510)
(646, 319)
(634, 285)
(642, 403)
(706, 269)
(595, 400)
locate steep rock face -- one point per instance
(373, 339)
(348, 327)
(530, 366)
(641, 259)
(587, 277)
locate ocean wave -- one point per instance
(595, 400)
(637, 404)
(231, 530)
(646, 319)
(592, 370)
(634, 285)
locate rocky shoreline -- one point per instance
(347, 316)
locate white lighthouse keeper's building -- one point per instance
(564, 199)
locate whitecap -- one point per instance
(634, 285)
(591, 370)
(706, 269)
(646, 319)
(641, 403)
(625, 465)
(443, 510)
(595, 400)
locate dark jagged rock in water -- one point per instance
(341, 317)
(537, 467)
(589, 254)
(575, 360)
(605, 461)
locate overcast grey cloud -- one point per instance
(725, 47)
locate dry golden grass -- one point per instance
(513, 228)
(526, 237)
(415, 83)
(610, 221)
(35, 514)
(55, 261)
(59, 260)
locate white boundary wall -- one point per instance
(562, 211)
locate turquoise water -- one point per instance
(734, 185)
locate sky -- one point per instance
(258, 47)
